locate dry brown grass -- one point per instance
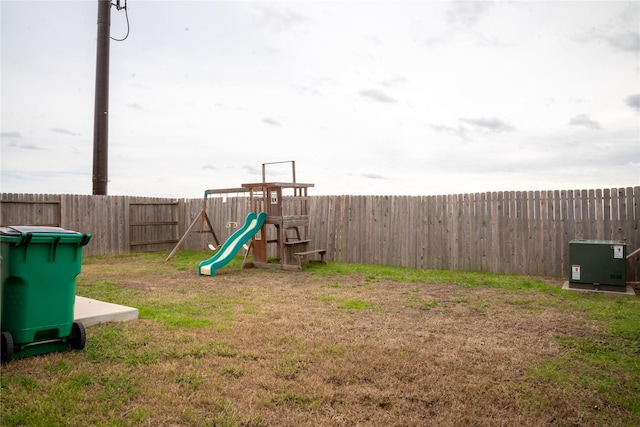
(284, 349)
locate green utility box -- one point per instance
(39, 267)
(598, 264)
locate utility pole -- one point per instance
(101, 111)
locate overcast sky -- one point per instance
(415, 98)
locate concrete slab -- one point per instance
(629, 292)
(92, 312)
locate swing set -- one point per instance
(203, 218)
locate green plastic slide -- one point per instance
(251, 226)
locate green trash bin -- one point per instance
(39, 267)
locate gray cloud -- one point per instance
(633, 101)
(584, 120)
(377, 95)
(271, 121)
(492, 124)
(10, 135)
(252, 170)
(64, 131)
(393, 81)
(373, 176)
(460, 131)
(135, 106)
(278, 18)
(467, 12)
(30, 147)
(490, 41)
(309, 91)
(626, 42)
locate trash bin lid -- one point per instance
(17, 230)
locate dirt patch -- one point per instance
(279, 348)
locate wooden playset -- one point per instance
(286, 226)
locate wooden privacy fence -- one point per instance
(124, 224)
(502, 232)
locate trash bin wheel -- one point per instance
(7, 347)
(78, 337)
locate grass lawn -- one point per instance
(334, 345)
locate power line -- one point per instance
(126, 14)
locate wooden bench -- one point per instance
(301, 255)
